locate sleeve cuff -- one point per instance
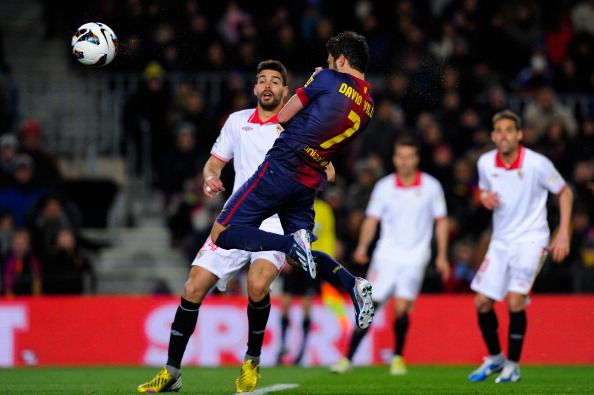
(300, 92)
(219, 157)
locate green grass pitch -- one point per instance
(364, 380)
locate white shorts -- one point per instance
(397, 273)
(226, 263)
(510, 267)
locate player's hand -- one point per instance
(560, 247)
(490, 200)
(443, 267)
(360, 255)
(213, 186)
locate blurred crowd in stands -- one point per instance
(440, 69)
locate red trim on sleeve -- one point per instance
(219, 157)
(300, 92)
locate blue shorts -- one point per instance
(270, 190)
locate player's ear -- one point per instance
(286, 91)
(255, 94)
(520, 134)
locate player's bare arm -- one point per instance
(489, 200)
(212, 176)
(560, 245)
(290, 109)
(441, 236)
(330, 172)
(366, 236)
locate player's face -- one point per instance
(269, 89)
(506, 136)
(406, 159)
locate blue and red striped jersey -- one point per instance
(337, 108)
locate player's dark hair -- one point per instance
(508, 114)
(273, 65)
(354, 48)
(406, 141)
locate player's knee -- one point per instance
(257, 289)
(516, 302)
(483, 304)
(194, 292)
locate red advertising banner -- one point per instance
(135, 331)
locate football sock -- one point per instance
(250, 238)
(332, 271)
(257, 313)
(356, 338)
(182, 328)
(517, 331)
(306, 324)
(284, 327)
(400, 330)
(489, 325)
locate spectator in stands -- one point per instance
(8, 151)
(386, 125)
(546, 108)
(193, 111)
(47, 172)
(555, 144)
(463, 267)
(537, 74)
(367, 172)
(183, 162)
(46, 219)
(6, 232)
(146, 118)
(21, 196)
(22, 269)
(67, 270)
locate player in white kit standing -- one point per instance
(245, 137)
(407, 204)
(514, 183)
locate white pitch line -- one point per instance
(273, 388)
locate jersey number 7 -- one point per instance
(353, 117)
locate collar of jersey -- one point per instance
(516, 164)
(416, 182)
(362, 83)
(255, 118)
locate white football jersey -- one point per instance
(246, 139)
(522, 189)
(406, 213)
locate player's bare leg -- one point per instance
(402, 309)
(199, 282)
(261, 274)
(488, 324)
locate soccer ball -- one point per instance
(94, 44)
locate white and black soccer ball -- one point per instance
(94, 44)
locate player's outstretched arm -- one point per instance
(560, 244)
(290, 109)
(212, 176)
(366, 236)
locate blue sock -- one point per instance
(250, 238)
(333, 272)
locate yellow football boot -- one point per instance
(162, 382)
(248, 377)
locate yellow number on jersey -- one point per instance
(353, 117)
